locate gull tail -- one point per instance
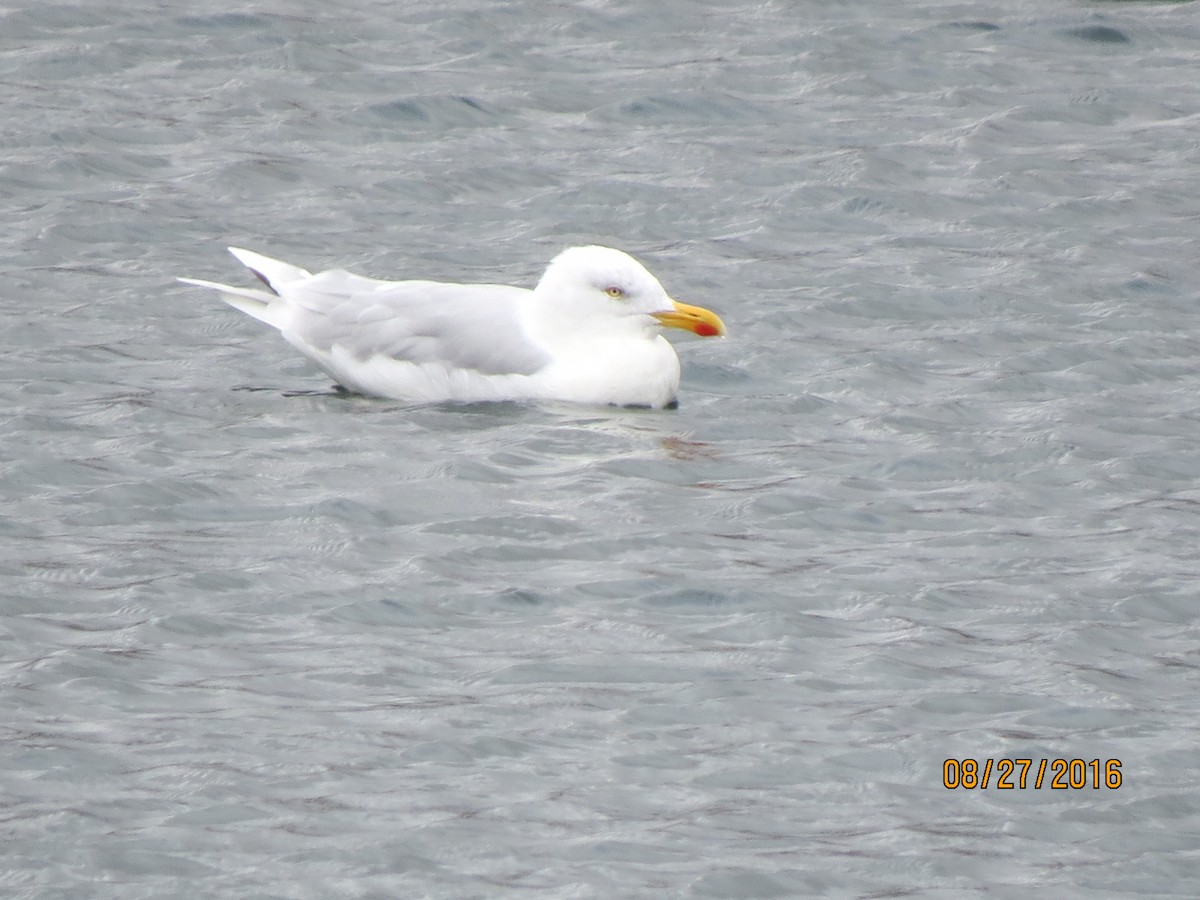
(260, 304)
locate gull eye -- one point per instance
(615, 292)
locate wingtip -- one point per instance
(194, 282)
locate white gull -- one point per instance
(588, 333)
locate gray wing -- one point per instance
(467, 326)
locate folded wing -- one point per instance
(475, 327)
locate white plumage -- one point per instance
(588, 333)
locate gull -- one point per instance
(589, 332)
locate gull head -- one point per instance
(610, 290)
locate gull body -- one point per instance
(589, 332)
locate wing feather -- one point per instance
(462, 326)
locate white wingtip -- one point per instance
(251, 301)
(273, 272)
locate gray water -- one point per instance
(936, 496)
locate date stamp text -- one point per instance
(1014, 774)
